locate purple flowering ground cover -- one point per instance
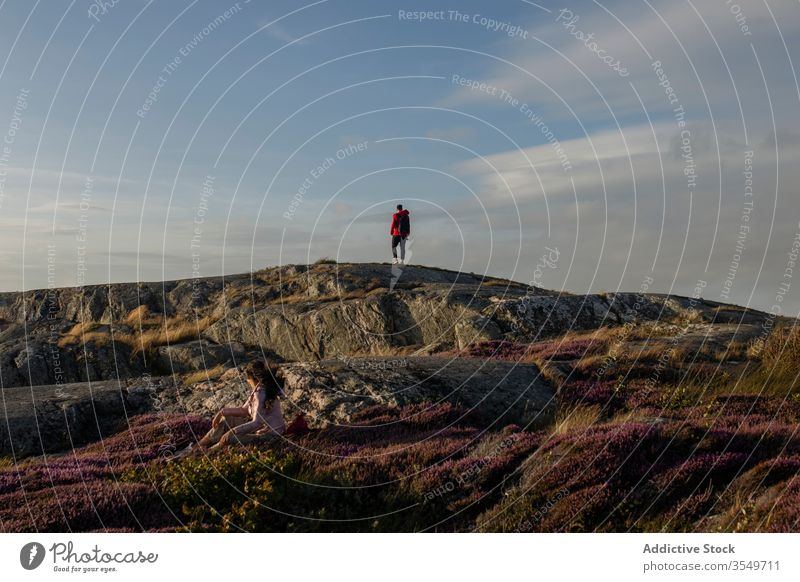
(421, 469)
(624, 454)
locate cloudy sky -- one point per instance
(627, 141)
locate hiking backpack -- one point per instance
(405, 224)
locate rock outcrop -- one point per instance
(332, 391)
(296, 313)
(349, 336)
(55, 418)
(48, 419)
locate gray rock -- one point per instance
(197, 355)
(307, 313)
(47, 419)
(332, 391)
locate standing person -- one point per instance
(401, 228)
(260, 412)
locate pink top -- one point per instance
(262, 419)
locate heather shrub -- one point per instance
(677, 397)
(729, 463)
(403, 469)
(608, 395)
(639, 476)
(558, 349)
(771, 472)
(703, 470)
(751, 490)
(779, 509)
(588, 509)
(686, 512)
(91, 505)
(79, 491)
(358, 478)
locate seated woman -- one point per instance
(261, 413)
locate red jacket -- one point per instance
(395, 229)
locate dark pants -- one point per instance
(399, 240)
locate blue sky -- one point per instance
(568, 140)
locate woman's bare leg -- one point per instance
(225, 425)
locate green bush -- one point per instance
(208, 492)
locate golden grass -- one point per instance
(102, 338)
(175, 330)
(646, 330)
(139, 317)
(171, 331)
(782, 346)
(735, 351)
(775, 368)
(687, 315)
(654, 352)
(304, 298)
(501, 283)
(631, 416)
(651, 354)
(552, 375)
(593, 354)
(204, 375)
(578, 418)
(77, 333)
(589, 364)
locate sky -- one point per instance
(585, 146)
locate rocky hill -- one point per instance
(298, 313)
(446, 400)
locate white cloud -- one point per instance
(605, 157)
(570, 76)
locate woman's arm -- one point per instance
(255, 422)
(235, 411)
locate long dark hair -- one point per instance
(268, 376)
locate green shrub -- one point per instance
(209, 491)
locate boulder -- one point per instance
(48, 419)
(197, 355)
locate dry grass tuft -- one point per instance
(507, 283)
(372, 288)
(150, 335)
(77, 334)
(776, 368)
(578, 418)
(688, 315)
(590, 363)
(141, 317)
(204, 375)
(552, 374)
(782, 347)
(175, 330)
